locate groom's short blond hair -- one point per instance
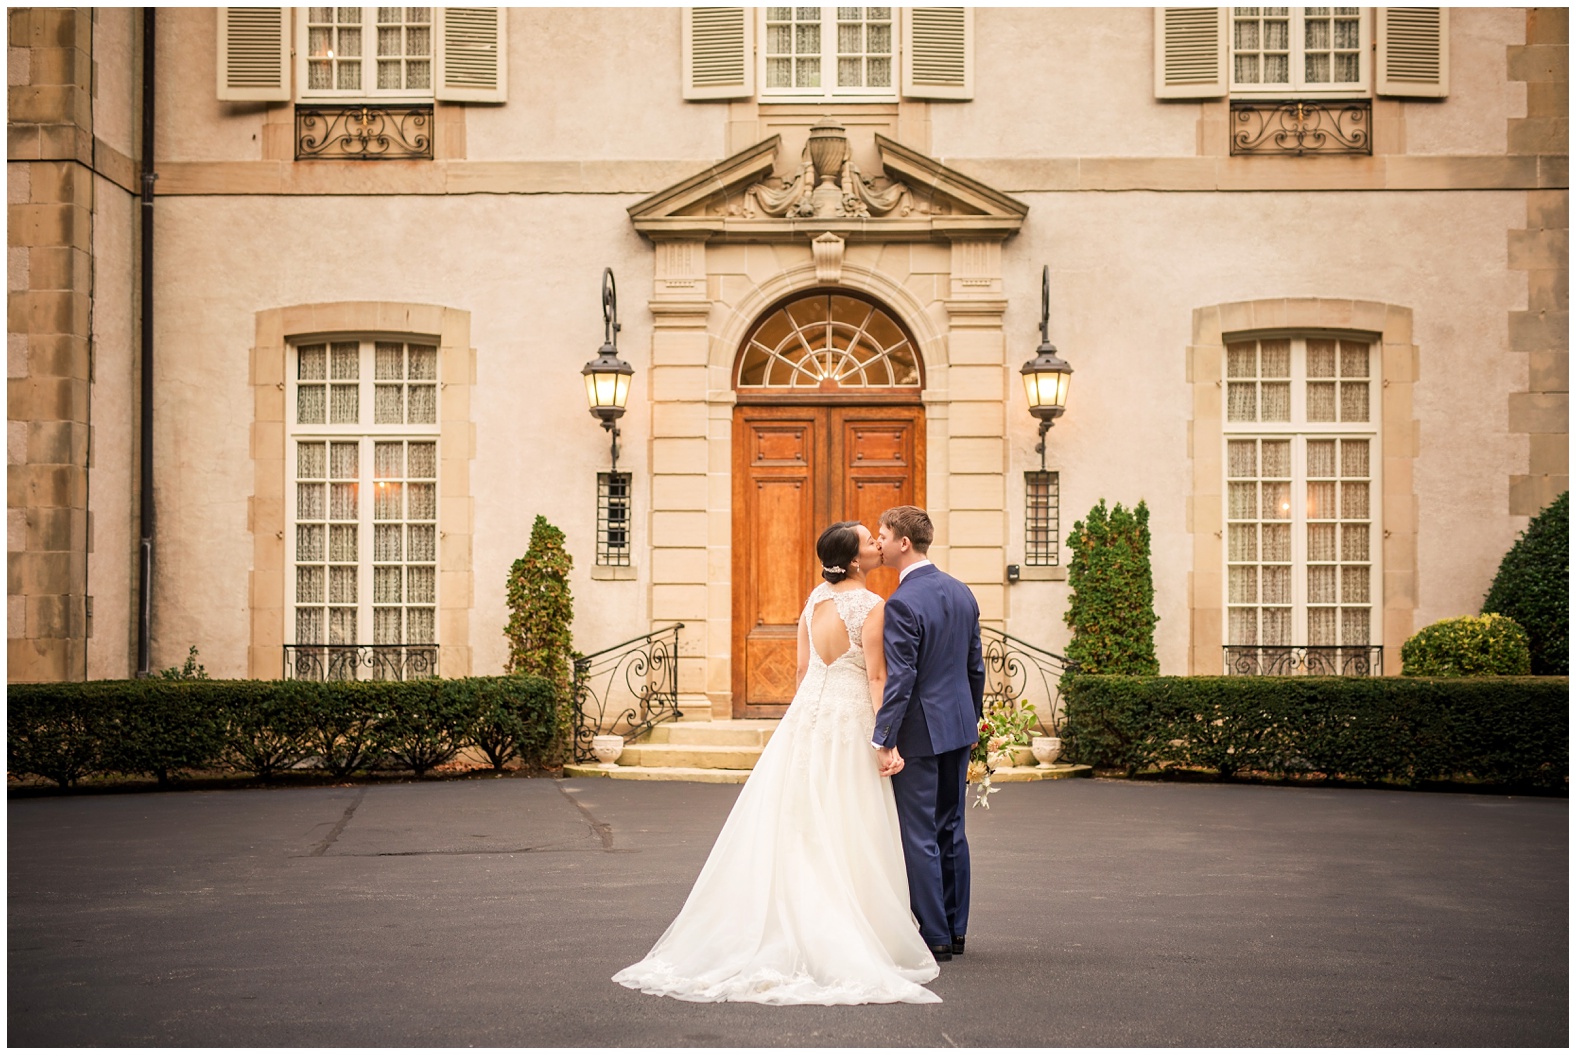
(912, 523)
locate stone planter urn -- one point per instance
(1047, 749)
(607, 749)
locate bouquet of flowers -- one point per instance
(1004, 727)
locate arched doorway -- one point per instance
(828, 426)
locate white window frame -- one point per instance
(828, 67)
(1297, 87)
(366, 434)
(1300, 431)
(369, 60)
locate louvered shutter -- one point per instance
(1414, 51)
(938, 52)
(1190, 52)
(717, 59)
(473, 52)
(254, 53)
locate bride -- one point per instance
(804, 899)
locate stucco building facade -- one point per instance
(1309, 266)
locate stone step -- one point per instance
(690, 756)
(690, 773)
(714, 734)
(1013, 774)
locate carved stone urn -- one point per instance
(607, 749)
(828, 150)
(1047, 749)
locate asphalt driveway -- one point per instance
(494, 911)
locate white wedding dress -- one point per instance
(804, 899)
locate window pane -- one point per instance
(422, 539)
(1277, 458)
(389, 361)
(1276, 501)
(419, 626)
(1242, 458)
(1277, 69)
(1321, 459)
(309, 542)
(349, 76)
(1354, 584)
(1318, 70)
(1321, 358)
(344, 461)
(1321, 541)
(309, 501)
(342, 502)
(878, 73)
(344, 404)
(389, 405)
(1244, 627)
(1243, 585)
(386, 626)
(1276, 584)
(423, 462)
(1354, 359)
(1321, 584)
(418, 74)
(310, 407)
(341, 584)
(849, 73)
(386, 585)
(342, 542)
(1321, 499)
(1242, 501)
(1244, 542)
(1242, 360)
(1276, 401)
(342, 626)
(1275, 359)
(423, 404)
(1354, 627)
(311, 461)
(389, 503)
(1321, 626)
(423, 363)
(386, 542)
(388, 460)
(1241, 400)
(1354, 401)
(1354, 501)
(423, 501)
(1277, 541)
(309, 626)
(420, 588)
(1321, 401)
(1275, 626)
(1354, 542)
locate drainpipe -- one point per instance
(145, 468)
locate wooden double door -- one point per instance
(797, 469)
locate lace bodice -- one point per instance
(852, 607)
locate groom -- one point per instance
(929, 719)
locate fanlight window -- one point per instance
(828, 341)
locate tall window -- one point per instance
(1279, 50)
(1302, 457)
(364, 453)
(815, 52)
(367, 52)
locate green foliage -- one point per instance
(53, 731)
(266, 727)
(1503, 731)
(1470, 646)
(541, 608)
(1112, 606)
(541, 611)
(516, 717)
(1533, 587)
(191, 670)
(68, 731)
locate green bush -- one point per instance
(53, 731)
(1112, 606)
(1503, 731)
(1533, 587)
(516, 717)
(64, 732)
(1467, 647)
(541, 611)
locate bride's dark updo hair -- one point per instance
(837, 547)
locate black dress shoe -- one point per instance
(942, 953)
(957, 945)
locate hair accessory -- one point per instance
(834, 569)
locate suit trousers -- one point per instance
(930, 792)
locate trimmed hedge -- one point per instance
(64, 732)
(1466, 647)
(1502, 731)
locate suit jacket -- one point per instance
(935, 690)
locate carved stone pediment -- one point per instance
(759, 196)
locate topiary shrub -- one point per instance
(1112, 606)
(541, 610)
(1467, 647)
(1533, 587)
(516, 717)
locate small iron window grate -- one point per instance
(612, 519)
(1042, 526)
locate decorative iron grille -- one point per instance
(1302, 127)
(1347, 660)
(1018, 671)
(1042, 518)
(363, 133)
(612, 519)
(360, 662)
(626, 689)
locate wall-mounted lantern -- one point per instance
(1046, 377)
(607, 376)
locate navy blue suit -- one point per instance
(935, 697)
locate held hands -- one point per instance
(891, 762)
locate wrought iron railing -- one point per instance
(626, 689)
(1348, 660)
(1016, 670)
(360, 662)
(1302, 127)
(363, 132)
